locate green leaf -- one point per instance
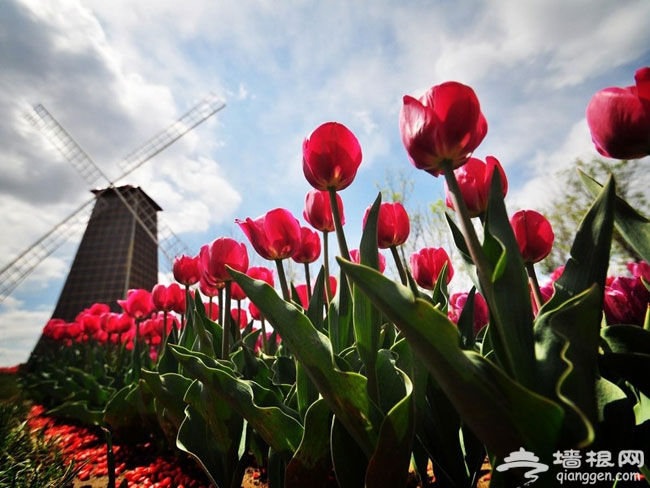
(389, 464)
(78, 411)
(367, 319)
(567, 340)
(259, 406)
(211, 434)
(348, 459)
(169, 389)
(511, 315)
(344, 392)
(311, 464)
(634, 227)
(589, 258)
(628, 355)
(340, 317)
(495, 407)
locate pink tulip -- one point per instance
(331, 156)
(445, 124)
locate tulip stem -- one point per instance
(264, 346)
(465, 221)
(534, 283)
(400, 265)
(336, 216)
(227, 319)
(283, 280)
(326, 266)
(483, 267)
(308, 281)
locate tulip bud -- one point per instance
(318, 210)
(331, 156)
(309, 249)
(275, 235)
(393, 226)
(533, 233)
(619, 119)
(426, 265)
(222, 252)
(187, 270)
(445, 124)
(474, 179)
(138, 303)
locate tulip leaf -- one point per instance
(167, 389)
(348, 459)
(210, 433)
(511, 312)
(311, 464)
(496, 408)
(589, 255)
(344, 392)
(340, 317)
(389, 464)
(367, 320)
(259, 406)
(628, 354)
(567, 340)
(634, 227)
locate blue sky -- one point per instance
(115, 73)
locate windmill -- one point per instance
(125, 203)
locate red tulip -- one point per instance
(533, 233)
(619, 119)
(240, 317)
(356, 258)
(309, 249)
(255, 272)
(318, 210)
(254, 311)
(426, 265)
(208, 289)
(138, 303)
(261, 273)
(187, 270)
(89, 322)
(116, 323)
(393, 226)
(445, 124)
(168, 298)
(331, 156)
(457, 303)
(54, 329)
(222, 252)
(275, 235)
(626, 301)
(212, 310)
(474, 179)
(640, 270)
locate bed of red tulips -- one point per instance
(140, 465)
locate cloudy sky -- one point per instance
(116, 73)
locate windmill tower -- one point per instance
(115, 253)
(123, 236)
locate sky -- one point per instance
(113, 74)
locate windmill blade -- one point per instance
(17, 270)
(198, 114)
(66, 145)
(171, 244)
